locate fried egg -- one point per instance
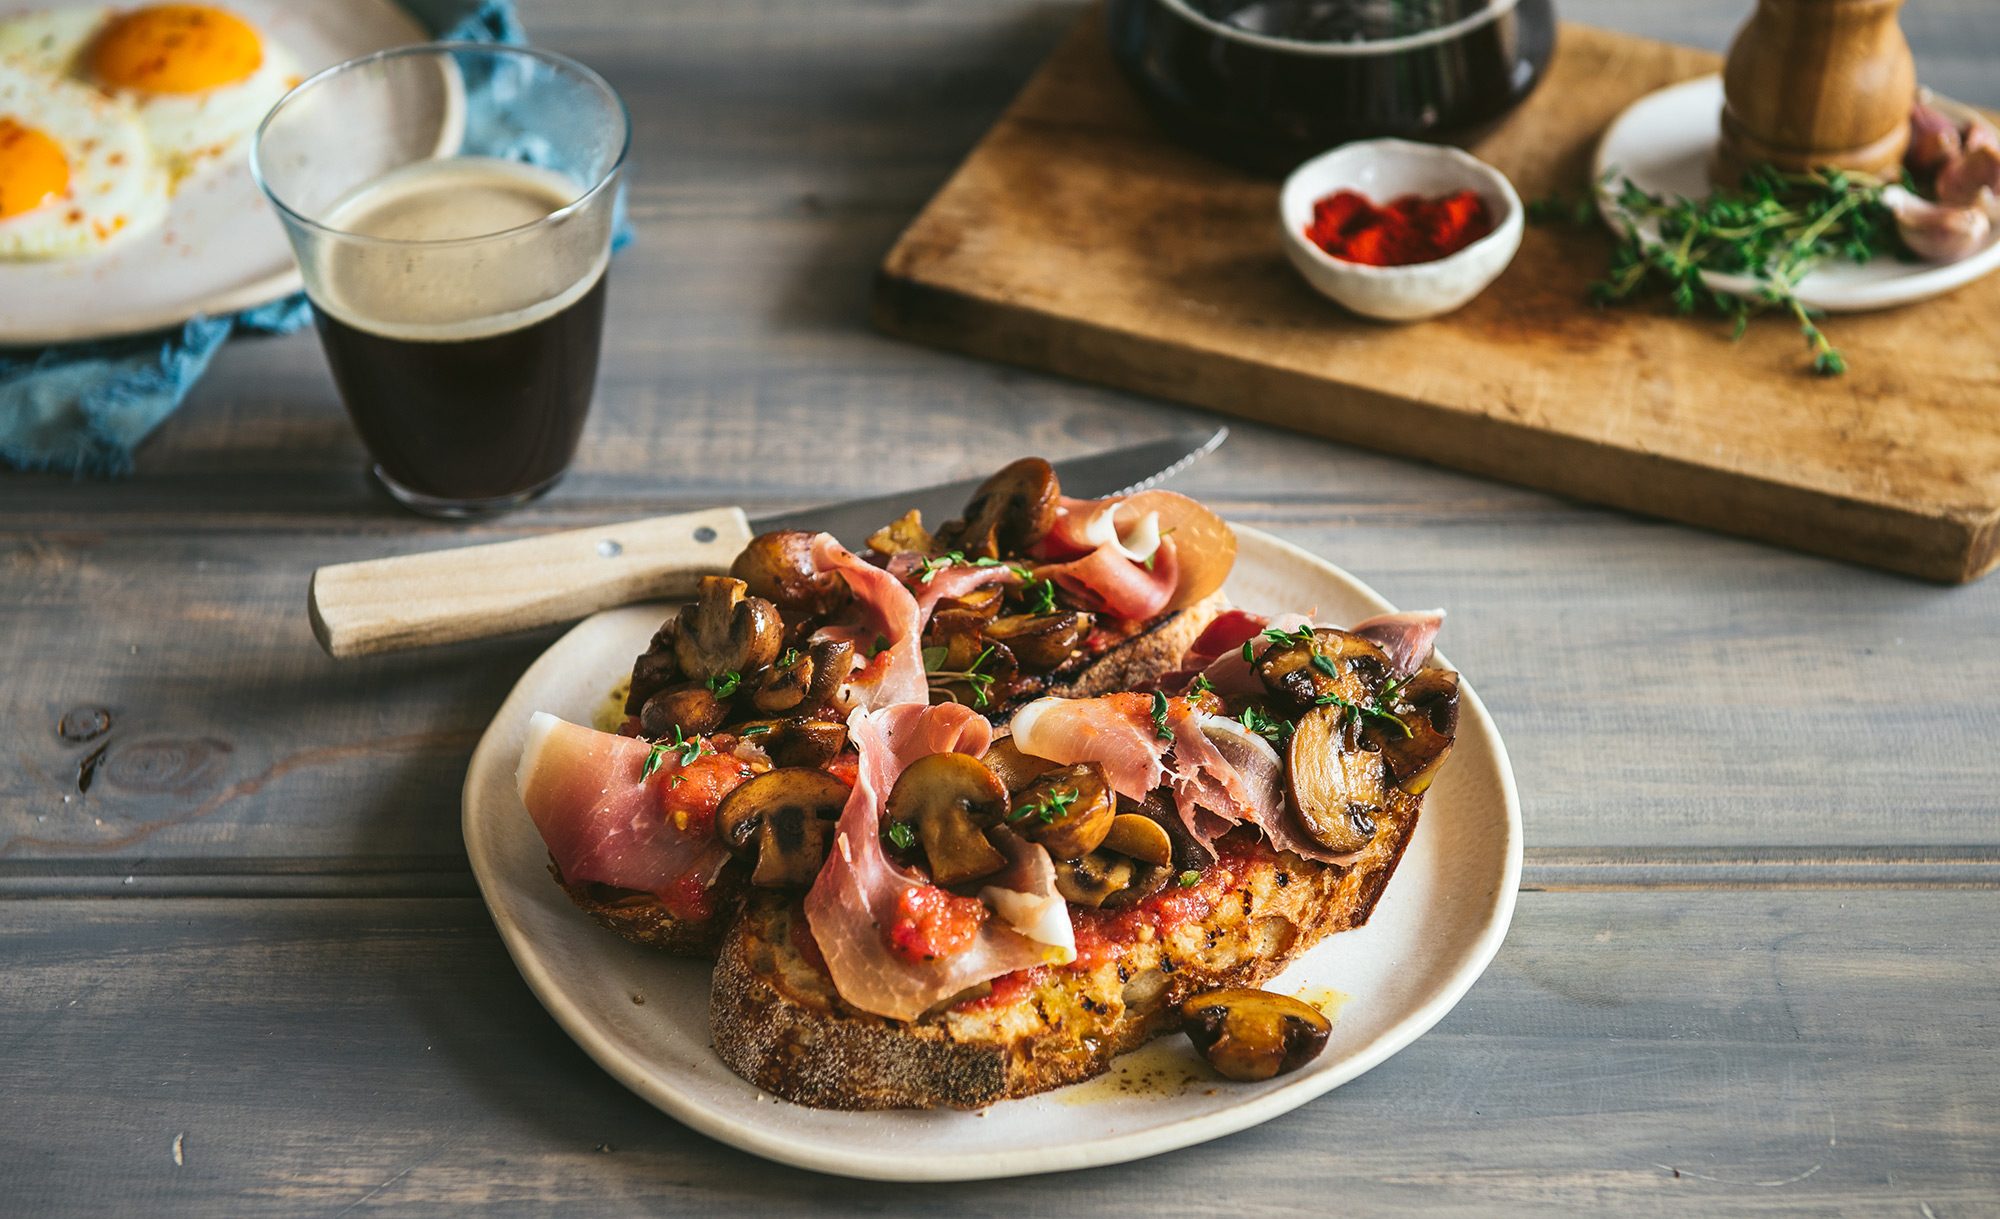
(75, 171)
(199, 77)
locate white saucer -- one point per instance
(1438, 924)
(221, 247)
(1662, 144)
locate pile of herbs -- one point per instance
(1775, 228)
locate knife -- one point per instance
(475, 592)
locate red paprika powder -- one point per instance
(1349, 225)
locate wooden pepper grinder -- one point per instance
(1811, 83)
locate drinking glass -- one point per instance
(451, 208)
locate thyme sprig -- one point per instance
(687, 748)
(1775, 229)
(980, 683)
(1160, 728)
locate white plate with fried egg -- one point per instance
(126, 201)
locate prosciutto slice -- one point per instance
(1262, 772)
(1407, 638)
(1115, 731)
(913, 730)
(1221, 774)
(1109, 580)
(601, 821)
(887, 612)
(946, 583)
(855, 899)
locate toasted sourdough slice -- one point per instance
(1132, 663)
(777, 1021)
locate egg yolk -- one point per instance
(175, 48)
(33, 169)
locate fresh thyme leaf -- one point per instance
(722, 685)
(1249, 650)
(881, 645)
(1325, 665)
(900, 835)
(1357, 713)
(1268, 726)
(1189, 879)
(1775, 228)
(934, 658)
(756, 730)
(656, 753)
(1048, 809)
(1160, 728)
(1201, 685)
(790, 658)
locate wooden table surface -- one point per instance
(1756, 962)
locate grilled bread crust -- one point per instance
(1131, 664)
(777, 1021)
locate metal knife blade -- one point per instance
(1095, 476)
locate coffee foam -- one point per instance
(457, 248)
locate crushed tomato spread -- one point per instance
(930, 923)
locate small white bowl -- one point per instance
(1384, 170)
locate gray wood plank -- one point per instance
(1658, 688)
(1730, 1053)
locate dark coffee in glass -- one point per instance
(451, 206)
(458, 404)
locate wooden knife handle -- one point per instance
(474, 592)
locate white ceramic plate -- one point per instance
(1434, 931)
(221, 248)
(1662, 143)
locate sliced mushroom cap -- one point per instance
(778, 567)
(1336, 787)
(904, 535)
(798, 741)
(727, 631)
(1010, 512)
(1014, 769)
(1093, 879)
(785, 818)
(973, 610)
(692, 708)
(1427, 705)
(1189, 852)
(1331, 662)
(652, 672)
(833, 664)
(1041, 642)
(1139, 837)
(1254, 1034)
(785, 682)
(1068, 810)
(952, 800)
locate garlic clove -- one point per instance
(1933, 232)
(1934, 140)
(1976, 169)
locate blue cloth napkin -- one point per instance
(83, 407)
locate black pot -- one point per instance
(1265, 84)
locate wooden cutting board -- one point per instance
(1077, 239)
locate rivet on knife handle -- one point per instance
(475, 592)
